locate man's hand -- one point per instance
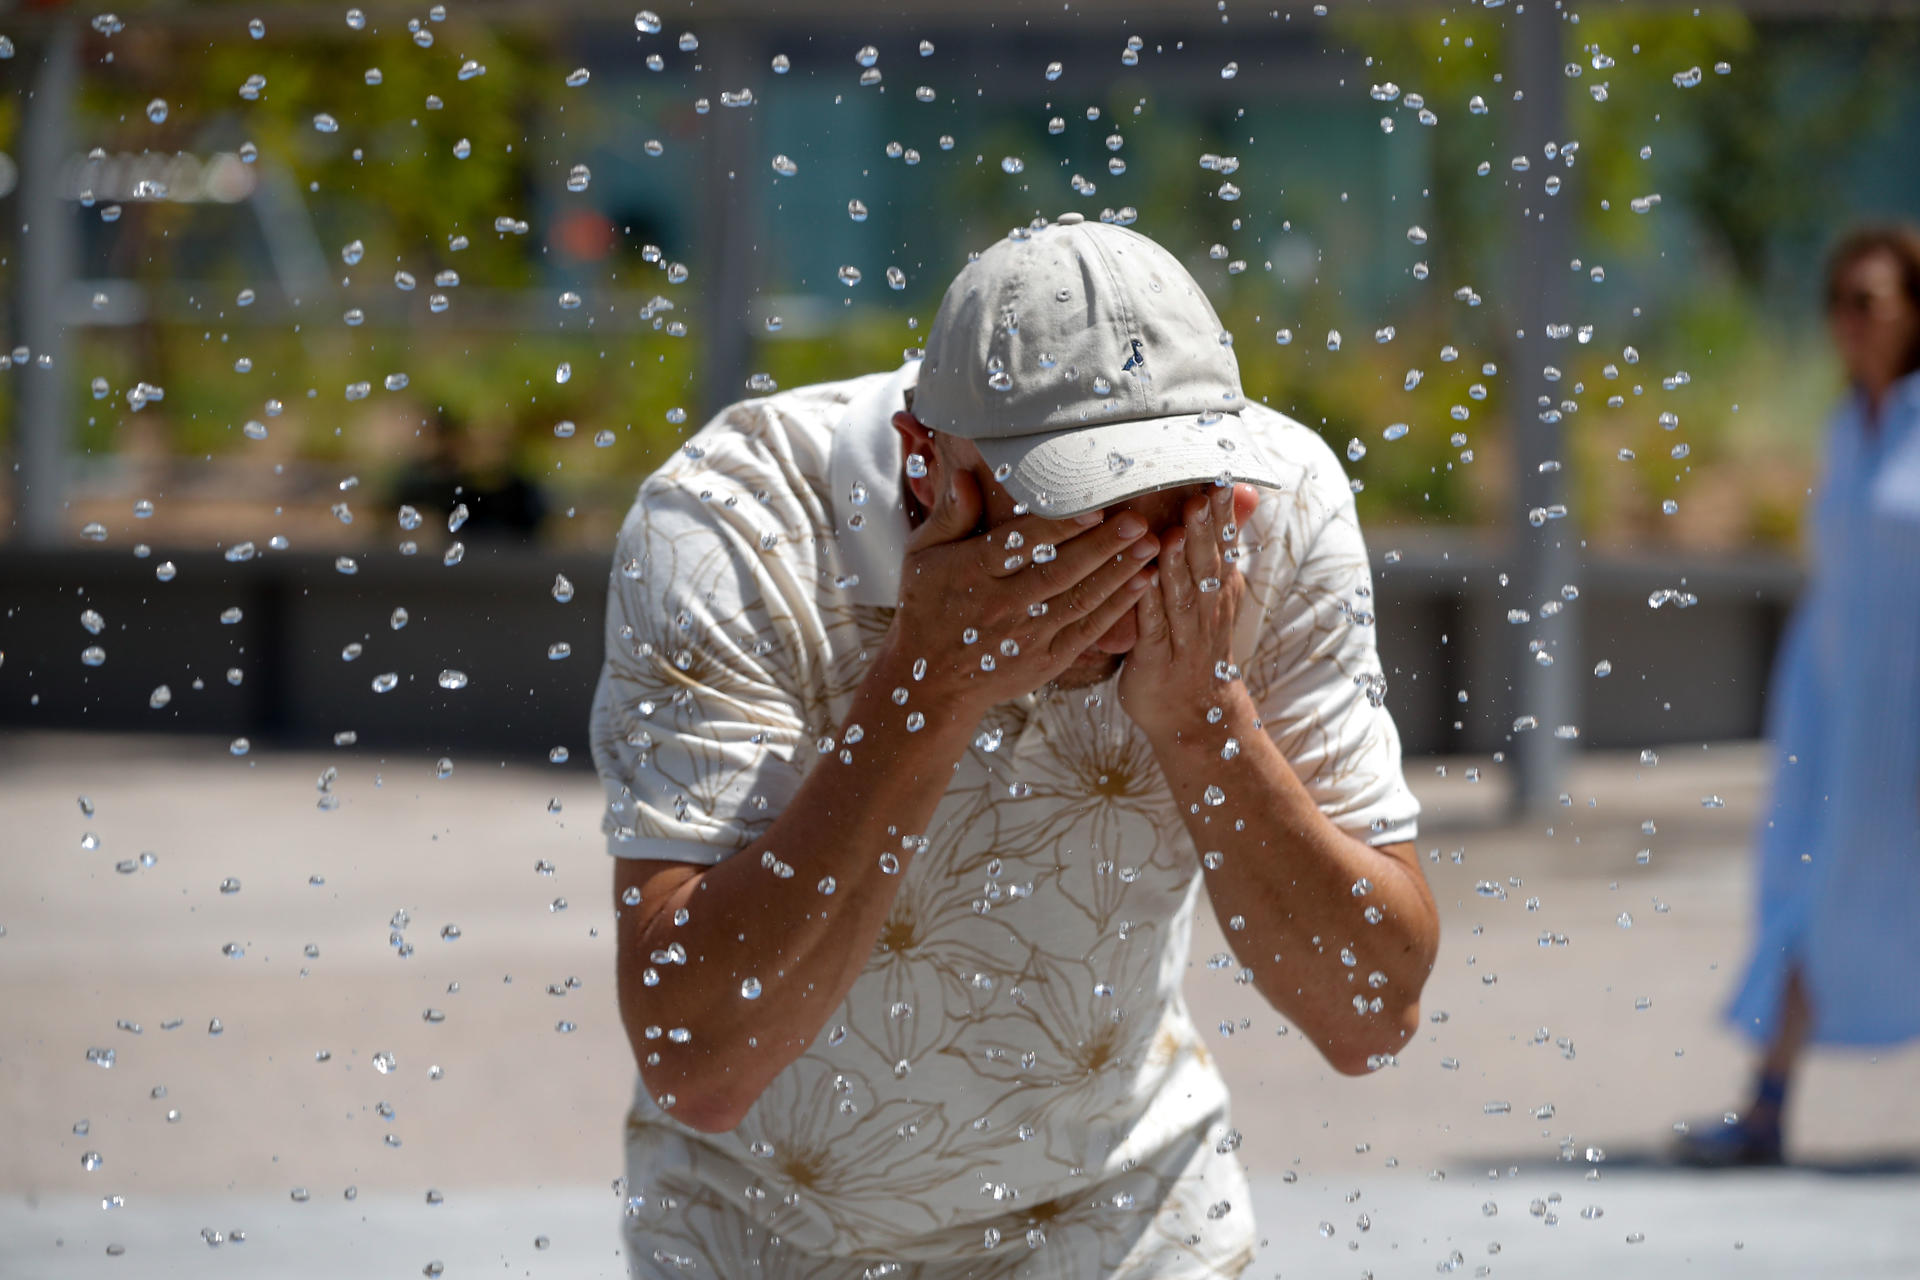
(999, 614)
(1183, 661)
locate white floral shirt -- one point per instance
(1013, 1087)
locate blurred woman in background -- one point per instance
(473, 465)
(1836, 953)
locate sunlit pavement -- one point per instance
(519, 1135)
(1776, 1224)
(1781, 1224)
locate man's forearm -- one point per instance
(796, 913)
(1321, 919)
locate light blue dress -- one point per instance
(1839, 842)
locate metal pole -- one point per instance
(1545, 542)
(733, 197)
(45, 252)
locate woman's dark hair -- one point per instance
(1902, 241)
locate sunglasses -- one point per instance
(1862, 302)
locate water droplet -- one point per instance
(785, 167)
(562, 589)
(750, 989)
(386, 682)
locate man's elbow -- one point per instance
(707, 1115)
(1367, 1050)
(1356, 1062)
(706, 1110)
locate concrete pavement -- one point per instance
(1783, 1225)
(518, 1129)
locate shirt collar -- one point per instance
(1905, 390)
(866, 451)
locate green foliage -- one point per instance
(1748, 165)
(406, 194)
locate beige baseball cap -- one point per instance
(1088, 367)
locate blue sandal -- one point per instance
(1717, 1145)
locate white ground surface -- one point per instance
(521, 1132)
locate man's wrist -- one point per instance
(926, 704)
(1205, 722)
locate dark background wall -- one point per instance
(1678, 673)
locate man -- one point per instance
(931, 699)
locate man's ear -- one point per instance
(916, 440)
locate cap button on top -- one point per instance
(1069, 219)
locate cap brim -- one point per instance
(1064, 473)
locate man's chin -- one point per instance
(1090, 668)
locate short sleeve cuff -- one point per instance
(1396, 831)
(657, 849)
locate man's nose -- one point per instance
(1161, 518)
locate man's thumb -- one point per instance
(1245, 500)
(957, 511)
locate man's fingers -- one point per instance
(1153, 616)
(1176, 579)
(1102, 580)
(1040, 542)
(1072, 640)
(1073, 562)
(1205, 520)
